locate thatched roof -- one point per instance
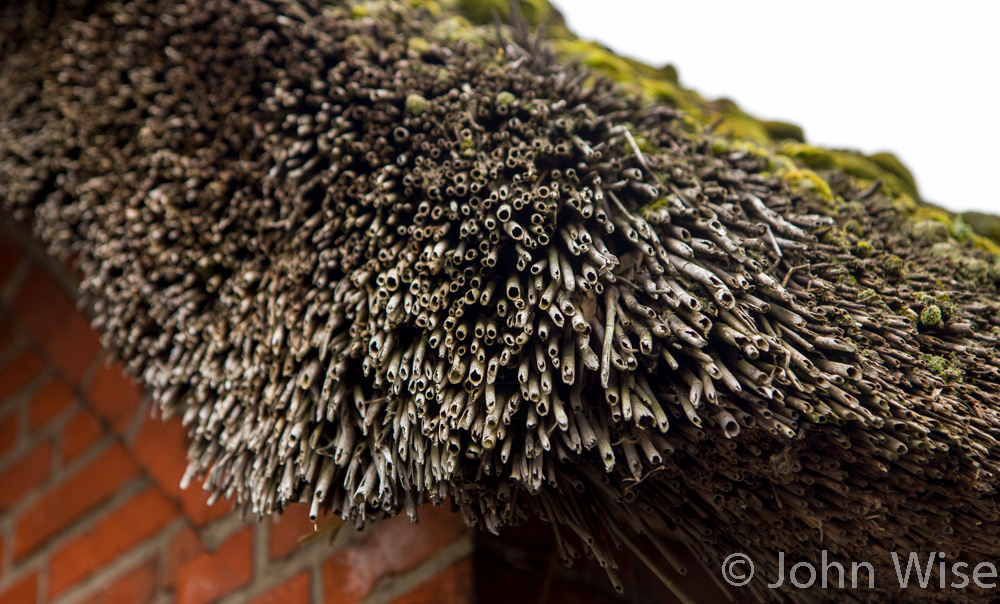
(375, 256)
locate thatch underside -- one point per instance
(375, 256)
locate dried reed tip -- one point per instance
(374, 257)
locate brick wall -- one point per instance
(90, 507)
(91, 511)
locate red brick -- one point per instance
(48, 402)
(56, 324)
(138, 586)
(72, 266)
(9, 429)
(10, 256)
(114, 396)
(24, 591)
(29, 471)
(396, 547)
(62, 505)
(452, 585)
(292, 591)
(19, 371)
(161, 448)
(194, 501)
(119, 531)
(81, 432)
(211, 575)
(8, 332)
(288, 528)
(184, 547)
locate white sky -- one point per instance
(908, 77)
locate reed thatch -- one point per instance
(375, 255)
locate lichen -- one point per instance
(930, 231)
(967, 266)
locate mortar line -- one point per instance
(396, 586)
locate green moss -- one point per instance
(847, 320)
(935, 364)
(931, 315)
(455, 29)
(418, 45)
(853, 226)
(667, 92)
(860, 167)
(666, 73)
(857, 165)
(779, 131)
(505, 98)
(416, 104)
(863, 249)
(956, 225)
(720, 146)
(986, 244)
(932, 213)
(805, 168)
(360, 10)
(738, 127)
(808, 181)
(809, 156)
(947, 368)
(890, 163)
(948, 308)
(536, 12)
(809, 166)
(432, 7)
(599, 58)
(732, 122)
(847, 279)
(986, 225)
(893, 265)
(835, 236)
(645, 145)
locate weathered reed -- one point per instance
(374, 258)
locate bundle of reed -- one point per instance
(375, 256)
